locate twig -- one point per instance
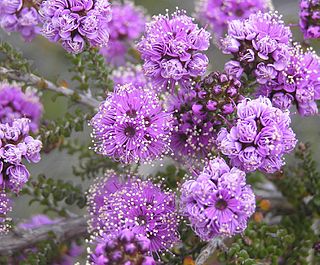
(39, 82)
(65, 230)
(208, 250)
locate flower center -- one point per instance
(131, 113)
(130, 131)
(221, 204)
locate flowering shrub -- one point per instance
(151, 154)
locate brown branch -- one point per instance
(36, 81)
(65, 230)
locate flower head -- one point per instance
(123, 248)
(127, 24)
(20, 16)
(218, 13)
(172, 50)
(298, 84)
(76, 23)
(130, 74)
(260, 138)
(131, 126)
(139, 206)
(259, 46)
(15, 104)
(218, 202)
(309, 18)
(16, 144)
(200, 113)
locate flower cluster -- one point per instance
(298, 84)
(16, 144)
(139, 206)
(20, 16)
(309, 18)
(15, 104)
(131, 126)
(259, 45)
(130, 74)
(76, 23)
(67, 256)
(125, 248)
(218, 13)
(172, 50)
(260, 138)
(5, 208)
(127, 24)
(199, 114)
(218, 202)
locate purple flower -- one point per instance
(141, 207)
(19, 16)
(297, 84)
(171, 50)
(217, 13)
(15, 104)
(309, 18)
(200, 113)
(260, 139)
(76, 23)
(16, 144)
(131, 126)
(127, 24)
(122, 249)
(218, 202)
(130, 74)
(259, 45)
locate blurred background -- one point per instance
(50, 62)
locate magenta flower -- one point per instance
(77, 24)
(122, 249)
(200, 113)
(139, 206)
(309, 18)
(260, 138)
(217, 13)
(298, 84)
(131, 126)
(218, 202)
(127, 24)
(260, 47)
(16, 144)
(20, 16)
(172, 50)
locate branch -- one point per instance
(39, 82)
(65, 230)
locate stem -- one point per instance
(65, 230)
(36, 81)
(209, 249)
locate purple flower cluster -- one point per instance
(68, 256)
(200, 113)
(218, 13)
(139, 206)
(5, 208)
(16, 144)
(172, 50)
(310, 18)
(259, 46)
(130, 74)
(260, 138)
(76, 23)
(131, 126)
(15, 104)
(127, 24)
(218, 202)
(298, 84)
(125, 248)
(20, 16)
